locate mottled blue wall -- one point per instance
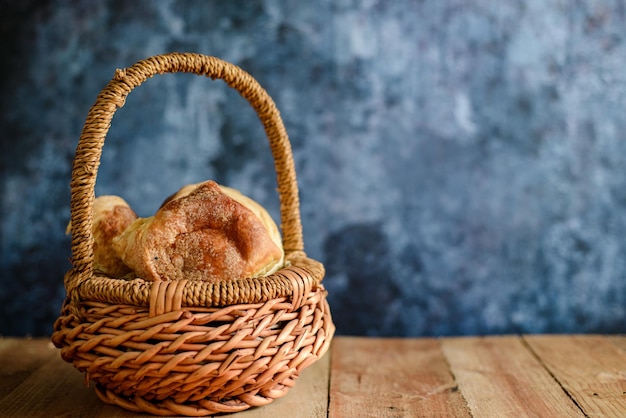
(462, 164)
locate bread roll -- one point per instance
(251, 204)
(202, 233)
(111, 216)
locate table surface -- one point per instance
(496, 376)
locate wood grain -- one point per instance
(528, 376)
(55, 389)
(19, 358)
(618, 341)
(392, 378)
(500, 377)
(591, 369)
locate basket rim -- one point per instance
(293, 281)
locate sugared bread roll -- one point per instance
(251, 204)
(111, 216)
(202, 233)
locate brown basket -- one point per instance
(189, 347)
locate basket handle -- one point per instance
(113, 96)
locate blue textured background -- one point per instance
(462, 164)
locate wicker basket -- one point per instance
(190, 347)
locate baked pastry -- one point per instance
(111, 216)
(202, 233)
(251, 204)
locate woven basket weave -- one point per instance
(190, 347)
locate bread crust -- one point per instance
(111, 216)
(200, 233)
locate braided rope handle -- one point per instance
(98, 122)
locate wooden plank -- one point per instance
(307, 399)
(591, 368)
(392, 378)
(19, 358)
(619, 341)
(500, 377)
(54, 389)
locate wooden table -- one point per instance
(507, 376)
